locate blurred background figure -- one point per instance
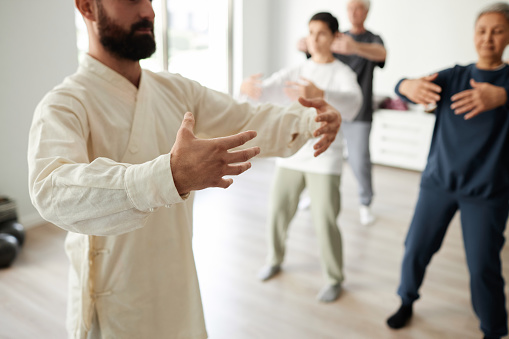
(362, 51)
(321, 76)
(467, 170)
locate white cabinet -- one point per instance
(401, 138)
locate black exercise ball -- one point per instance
(9, 249)
(15, 229)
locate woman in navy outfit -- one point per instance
(467, 170)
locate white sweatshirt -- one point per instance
(339, 82)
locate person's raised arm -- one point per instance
(252, 86)
(481, 98)
(303, 88)
(346, 45)
(344, 94)
(420, 91)
(302, 46)
(281, 130)
(100, 196)
(103, 196)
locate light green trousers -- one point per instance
(325, 206)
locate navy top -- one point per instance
(469, 157)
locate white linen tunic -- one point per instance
(99, 167)
(342, 91)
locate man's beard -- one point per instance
(125, 44)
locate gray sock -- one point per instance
(329, 293)
(267, 272)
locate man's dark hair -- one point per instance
(329, 19)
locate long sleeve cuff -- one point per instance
(399, 93)
(308, 123)
(150, 185)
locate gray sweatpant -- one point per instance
(357, 141)
(325, 205)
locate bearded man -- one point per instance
(114, 160)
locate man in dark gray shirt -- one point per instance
(362, 51)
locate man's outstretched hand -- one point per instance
(329, 119)
(200, 163)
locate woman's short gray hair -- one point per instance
(498, 7)
(366, 3)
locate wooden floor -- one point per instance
(229, 243)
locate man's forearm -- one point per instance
(371, 51)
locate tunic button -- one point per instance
(151, 209)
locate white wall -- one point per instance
(421, 36)
(38, 49)
(252, 28)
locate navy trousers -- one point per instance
(483, 223)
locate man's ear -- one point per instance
(87, 8)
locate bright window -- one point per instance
(192, 39)
(198, 41)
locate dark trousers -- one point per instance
(483, 223)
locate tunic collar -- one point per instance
(90, 64)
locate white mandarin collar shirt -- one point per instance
(99, 167)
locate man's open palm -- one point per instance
(200, 163)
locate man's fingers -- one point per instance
(325, 129)
(324, 141)
(185, 131)
(242, 155)
(236, 140)
(188, 121)
(224, 183)
(237, 169)
(198, 164)
(324, 117)
(328, 117)
(316, 102)
(321, 145)
(320, 151)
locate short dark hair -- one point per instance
(329, 19)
